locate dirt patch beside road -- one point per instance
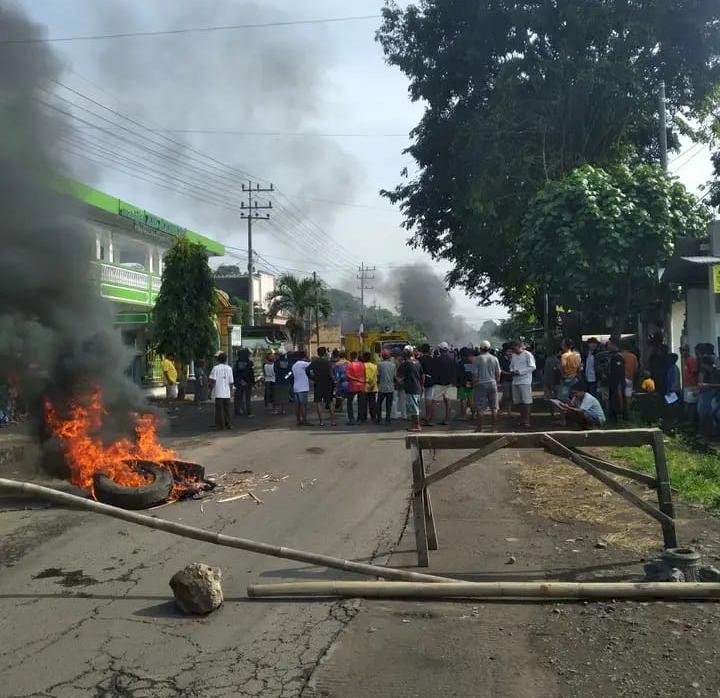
(524, 515)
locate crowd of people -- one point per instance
(416, 384)
(586, 386)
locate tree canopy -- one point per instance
(596, 238)
(297, 299)
(518, 94)
(183, 314)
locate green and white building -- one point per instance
(130, 243)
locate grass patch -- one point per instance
(695, 474)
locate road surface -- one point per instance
(85, 609)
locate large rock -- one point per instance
(197, 588)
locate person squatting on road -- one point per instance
(584, 409)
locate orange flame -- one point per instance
(86, 454)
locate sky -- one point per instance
(294, 82)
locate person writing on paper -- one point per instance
(584, 409)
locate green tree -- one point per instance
(520, 93)
(596, 237)
(297, 299)
(183, 314)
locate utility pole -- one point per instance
(317, 314)
(663, 128)
(252, 212)
(365, 274)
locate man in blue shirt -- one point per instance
(584, 409)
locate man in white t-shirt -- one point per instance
(522, 367)
(221, 385)
(301, 388)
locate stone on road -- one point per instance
(197, 588)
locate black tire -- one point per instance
(155, 492)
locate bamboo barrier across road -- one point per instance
(71, 500)
(491, 590)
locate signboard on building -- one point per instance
(716, 278)
(236, 336)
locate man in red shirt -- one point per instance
(355, 376)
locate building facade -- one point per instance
(127, 263)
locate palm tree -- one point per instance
(297, 299)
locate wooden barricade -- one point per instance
(568, 444)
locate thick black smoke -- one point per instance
(56, 335)
(421, 296)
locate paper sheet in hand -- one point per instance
(558, 403)
(671, 398)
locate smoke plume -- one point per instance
(421, 296)
(253, 81)
(56, 336)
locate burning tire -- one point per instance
(156, 491)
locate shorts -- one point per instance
(464, 393)
(412, 404)
(522, 394)
(440, 392)
(428, 394)
(302, 398)
(628, 387)
(282, 393)
(324, 395)
(486, 396)
(171, 391)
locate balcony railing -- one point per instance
(141, 286)
(120, 276)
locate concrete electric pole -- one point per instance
(365, 274)
(663, 128)
(253, 213)
(317, 313)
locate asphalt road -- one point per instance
(85, 606)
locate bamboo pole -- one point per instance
(487, 590)
(74, 501)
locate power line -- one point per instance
(191, 30)
(224, 175)
(278, 134)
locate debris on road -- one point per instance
(197, 588)
(240, 484)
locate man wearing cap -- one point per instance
(486, 376)
(387, 369)
(444, 373)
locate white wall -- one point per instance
(699, 328)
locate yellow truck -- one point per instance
(375, 341)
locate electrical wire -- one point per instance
(190, 30)
(216, 165)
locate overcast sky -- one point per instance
(312, 79)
